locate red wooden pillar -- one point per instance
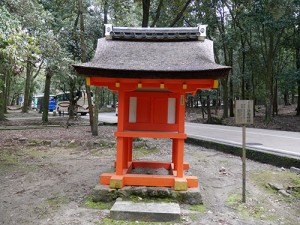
(120, 164)
(174, 153)
(181, 183)
(180, 157)
(116, 181)
(129, 149)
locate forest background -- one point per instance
(40, 40)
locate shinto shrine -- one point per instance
(152, 69)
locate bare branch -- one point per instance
(38, 71)
(157, 15)
(180, 14)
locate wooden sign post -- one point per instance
(244, 116)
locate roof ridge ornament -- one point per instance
(155, 33)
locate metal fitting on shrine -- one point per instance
(202, 32)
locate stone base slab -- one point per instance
(102, 193)
(141, 211)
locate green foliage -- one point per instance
(257, 38)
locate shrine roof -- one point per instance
(172, 59)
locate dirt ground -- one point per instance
(47, 175)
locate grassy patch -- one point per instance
(97, 205)
(194, 216)
(102, 151)
(198, 208)
(252, 210)
(282, 177)
(296, 183)
(36, 153)
(8, 157)
(57, 201)
(296, 180)
(8, 161)
(144, 151)
(235, 202)
(286, 178)
(50, 205)
(12, 160)
(39, 142)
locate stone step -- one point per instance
(141, 211)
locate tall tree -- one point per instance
(84, 59)
(146, 11)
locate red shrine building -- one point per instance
(152, 69)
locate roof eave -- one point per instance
(145, 74)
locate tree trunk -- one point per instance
(298, 102)
(114, 100)
(298, 82)
(72, 106)
(286, 97)
(231, 106)
(2, 91)
(231, 113)
(83, 59)
(102, 97)
(275, 99)
(46, 95)
(105, 12)
(224, 83)
(269, 82)
(27, 86)
(243, 68)
(96, 111)
(108, 98)
(7, 90)
(253, 88)
(208, 110)
(146, 12)
(30, 94)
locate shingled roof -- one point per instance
(180, 59)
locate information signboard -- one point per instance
(244, 112)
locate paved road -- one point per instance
(271, 141)
(108, 117)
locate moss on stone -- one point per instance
(198, 208)
(89, 203)
(108, 221)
